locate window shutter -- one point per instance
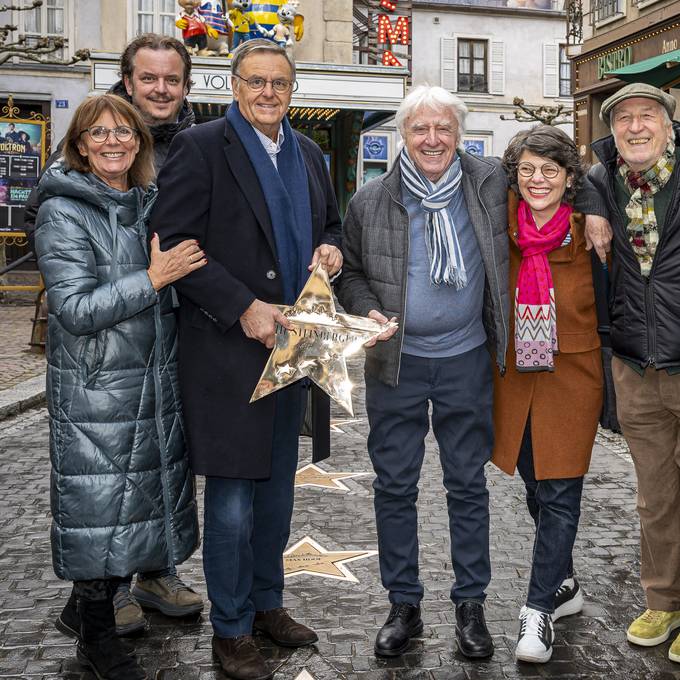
(497, 70)
(448, 64)
(551, 70)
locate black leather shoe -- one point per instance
(472, 635)
(402, 624)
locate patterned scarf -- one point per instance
(535, 315)
(642, 228)
(446, 257)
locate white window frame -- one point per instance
(133, 20)
(617, 16)
(68, 34)
(645, 3)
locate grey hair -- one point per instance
(430, 97)
(263, 45)
(667, 121)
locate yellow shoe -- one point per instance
(674, 651)
(653, 628)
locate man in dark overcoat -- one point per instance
(258, 198)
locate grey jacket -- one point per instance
(122, 495)
(376, 248)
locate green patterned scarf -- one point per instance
(642, 228)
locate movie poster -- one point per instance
(22, 155)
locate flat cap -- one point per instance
(637, 90)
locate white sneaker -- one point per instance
(568, 599)
(535, 641)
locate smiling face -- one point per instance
(265, 109)
(431, 140)
(543, 194)
(110, 160)
(157, 86)
(641, 131)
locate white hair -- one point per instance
(430, 97)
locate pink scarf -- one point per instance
(535, 316)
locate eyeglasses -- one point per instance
(99, 134)
(280, 85)
(548, 170)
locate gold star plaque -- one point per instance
(317, 344)
(308, 557)
(313, 475)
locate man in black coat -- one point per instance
(258, 198)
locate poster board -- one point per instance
(22, 156)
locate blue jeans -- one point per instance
(460, 390)
(555, 507)
(246, 529)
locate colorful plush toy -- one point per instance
(213, 13)
(267, 16)
(282, 33)
(243, 21)
(194, 29)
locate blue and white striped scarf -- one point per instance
(446, 257)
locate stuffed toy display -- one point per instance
(195, 30)
(213, 12)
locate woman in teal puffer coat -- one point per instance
(122, 494)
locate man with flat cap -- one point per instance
(639, 176)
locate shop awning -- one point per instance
(658, 71)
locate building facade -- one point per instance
(488, 52)
(614, 42)
(335, 101)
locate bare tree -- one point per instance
(549, 115)
(36, 51)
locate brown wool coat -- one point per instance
(565, 404)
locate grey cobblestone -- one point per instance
(346, 615)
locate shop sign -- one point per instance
(613, 60)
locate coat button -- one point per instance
(271, 274)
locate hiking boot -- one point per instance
(129, 616)
(169, 595)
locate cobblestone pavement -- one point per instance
(346, 614)
(17, 361)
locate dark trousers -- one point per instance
(555, 507)
(460, 390)
(246, 528)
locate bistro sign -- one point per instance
(613, 60)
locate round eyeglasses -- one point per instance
(279, 85)
(99, 134)
(548, 170)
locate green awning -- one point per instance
(658, 71)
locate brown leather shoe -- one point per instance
(282, 629)
(240, 658)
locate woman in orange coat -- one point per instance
(547, 406)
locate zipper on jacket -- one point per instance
(501, 364)
(651, 324)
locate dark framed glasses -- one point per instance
(99, 134)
